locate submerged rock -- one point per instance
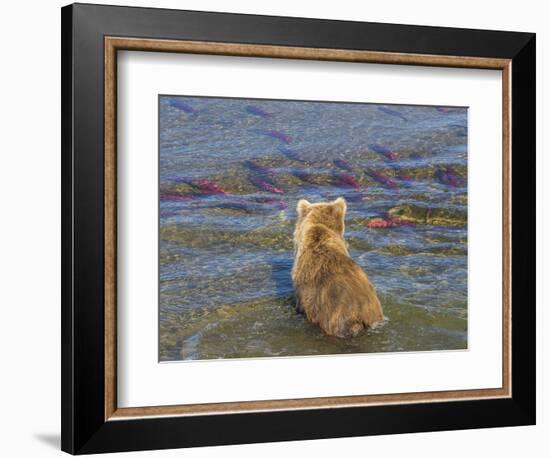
(433, 216)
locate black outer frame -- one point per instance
(84, 429)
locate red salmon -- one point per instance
(346, 180)
(264, 185)
(209, 187)
(385, 223)
(384, 151)
(176, 197)
(383, 179)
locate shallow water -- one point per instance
(231, 173)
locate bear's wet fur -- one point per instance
(331, 289)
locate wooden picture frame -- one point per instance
(91, 37)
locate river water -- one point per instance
(231, 173)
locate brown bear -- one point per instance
(331, 289)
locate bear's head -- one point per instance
(329, 214)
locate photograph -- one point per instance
(282, 226)
(307, 228)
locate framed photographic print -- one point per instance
(282, 228)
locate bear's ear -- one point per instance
(302, 206)
(340, 204)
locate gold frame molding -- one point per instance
(114, 44)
